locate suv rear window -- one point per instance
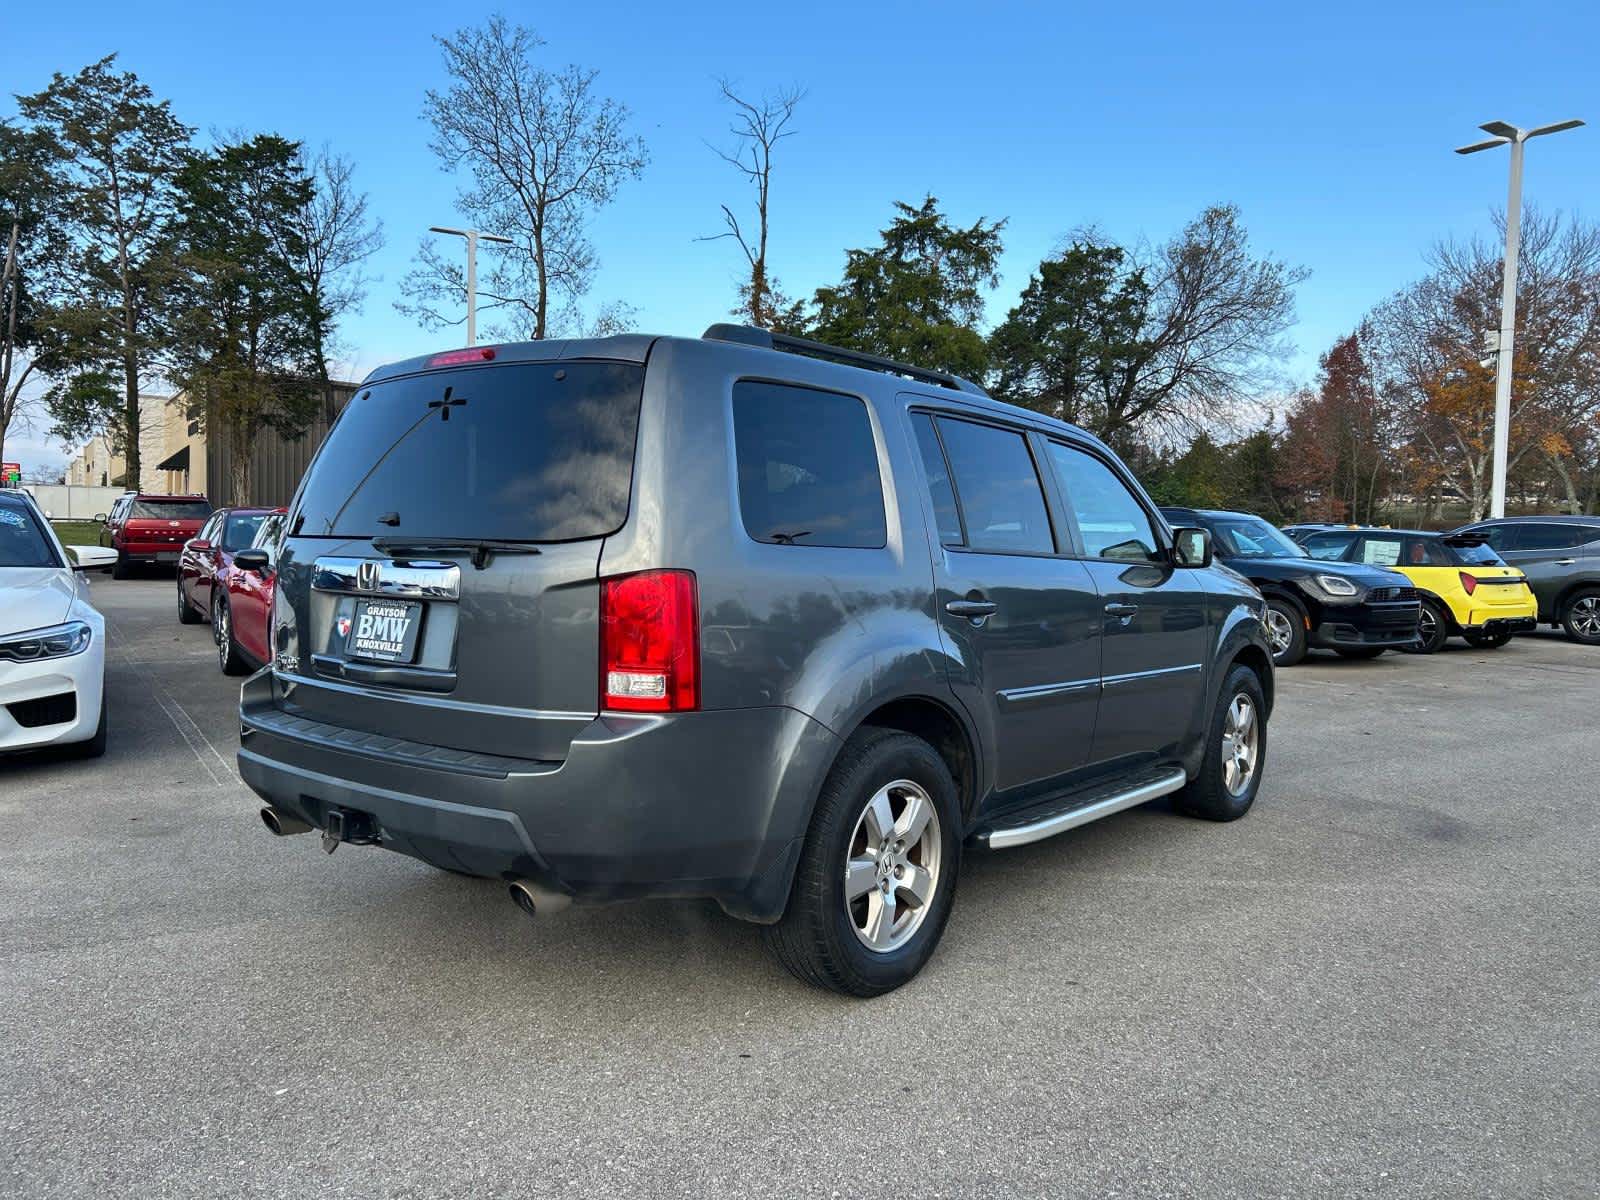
(532, 452)
(808, 467)
(168, 510)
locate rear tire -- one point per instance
(1286, 631)
(825, 933)
(1581, 617)
(1236, 738)
(186, 612)
(1433, 627)
(228, 656)
(120, 568)
(1485, 640)
(1360, 652)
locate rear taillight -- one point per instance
(650, 642)
(1469, 583)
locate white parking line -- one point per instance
(209, 758)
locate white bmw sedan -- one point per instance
(52, 641)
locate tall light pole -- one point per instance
(473, 237)
(1506, 134)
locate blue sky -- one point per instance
(1331, 127)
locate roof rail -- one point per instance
(751, 335)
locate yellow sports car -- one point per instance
(1465, 587)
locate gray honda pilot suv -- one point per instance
(743, 617)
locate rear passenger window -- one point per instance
(997, 487)
(808, 467)
(1549, 537)
(1111, 521)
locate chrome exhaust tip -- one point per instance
(281, 823)
(538, 901)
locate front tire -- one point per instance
(878, 871)
(228, 656)
(1581, 617)
(121, 568)
(1286, 631)
(1236, 752)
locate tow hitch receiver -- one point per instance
(343, 825)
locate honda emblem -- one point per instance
(368, 574)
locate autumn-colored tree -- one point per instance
(1426, 348)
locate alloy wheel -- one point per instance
(1585, 617)
(1427, 625)
(1241, 745)
(893, 870)
(219, 629)
(1280, 631)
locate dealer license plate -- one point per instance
(382, 630)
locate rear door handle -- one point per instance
(971, 609)
(1124, 611)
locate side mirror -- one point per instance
(101, 517)
(258, 561)
(91, 558)
(198, 545)
(1191, 547)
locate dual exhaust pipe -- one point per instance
(532, 898)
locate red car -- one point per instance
(151, 529)
(241, 601)
(211, 551)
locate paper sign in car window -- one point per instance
(1382, 554)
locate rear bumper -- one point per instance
(710, 804)
(1505, 624)
(151, 551)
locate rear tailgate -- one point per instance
(1497, 587)
(440, 584)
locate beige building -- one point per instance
(172, 453)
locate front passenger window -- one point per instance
(1112, 523)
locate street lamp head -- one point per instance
(447, 229)
(1501, 129)
(1556, 128)
(1476, 146)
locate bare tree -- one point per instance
(543, 151)
(335, 239)
(1160, 343)
(758, 126)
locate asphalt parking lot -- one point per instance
(1384, 982)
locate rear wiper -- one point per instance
(483, 549)
(786, 537)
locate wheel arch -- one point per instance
(936, 722)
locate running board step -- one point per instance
(1061, 813)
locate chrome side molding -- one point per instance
(1049, 826)
(417, 579)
